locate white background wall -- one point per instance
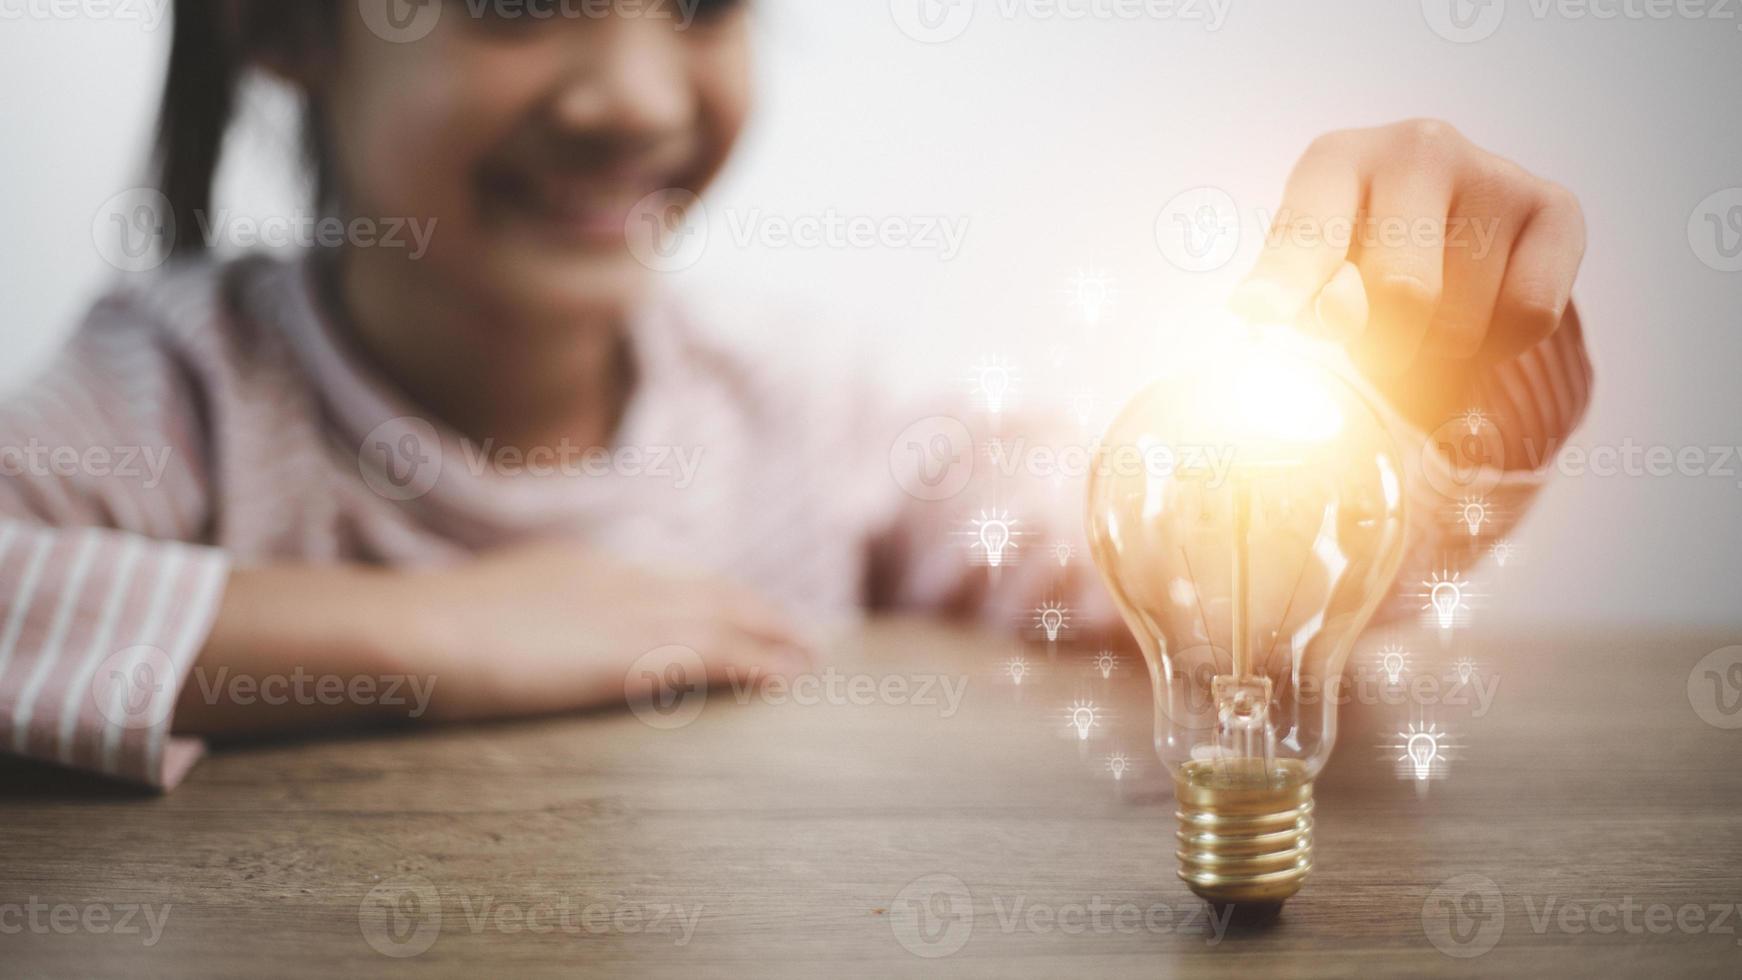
(1060, 141)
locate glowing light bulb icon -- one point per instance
(1474, 420)
(994, 380)
(1106, 662)
(1466, 668)
(1446, 599)
(1083, 719)
(1052, 617)
(995, 535)
(1118, 764)
(1475, 513)
(1063, 552)
(1092, 293)
(1421, 749)
(1502, 553)
(1393, 661)
(1018, 669)
(1446, 593)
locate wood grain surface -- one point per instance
(1586, 811)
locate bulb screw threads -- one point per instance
(1245, 830)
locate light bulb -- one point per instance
(1446, 597)
(995, 538)
(1475, 512)
(1094, 291)
(1118, 765)
(1052, 619)
(1083, 719)
(1106, 662)
(995, 384)
(1465, 669)
(1246, 588)
(1422, 748)
(1393, 664)
(1062, 551)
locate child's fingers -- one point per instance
(1303, 252)
(744, 659)
(763, 622)
(1339, 312)
(1404, 272)
(1539, 279)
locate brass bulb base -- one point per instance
(1245, 830)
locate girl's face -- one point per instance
(530, 140)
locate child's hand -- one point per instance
(552, 627)
(1429, 257)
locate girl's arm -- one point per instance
(105, 599)
(121, 632)
(535, 629)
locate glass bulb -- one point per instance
(1246, 554)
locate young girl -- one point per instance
(447, 465)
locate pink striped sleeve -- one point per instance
(105, 601)
(1497, 461)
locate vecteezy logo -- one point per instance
(667, 231)
(1199, 230)
(402, 917)
(932, 21)
(1465, 916)
(933, 459)
(1460, 463)
(1715, 230)
(933, 916)
(667, 687)
(134, 231)
(135, 687)
(1715, 688)
(400, 21)
(401, 459)
(1464, 21)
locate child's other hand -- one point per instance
(1427, 256)
(553, 626)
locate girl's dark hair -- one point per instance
(213, 43)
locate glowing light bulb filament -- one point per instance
(1242, 654)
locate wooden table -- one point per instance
(846, 839)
